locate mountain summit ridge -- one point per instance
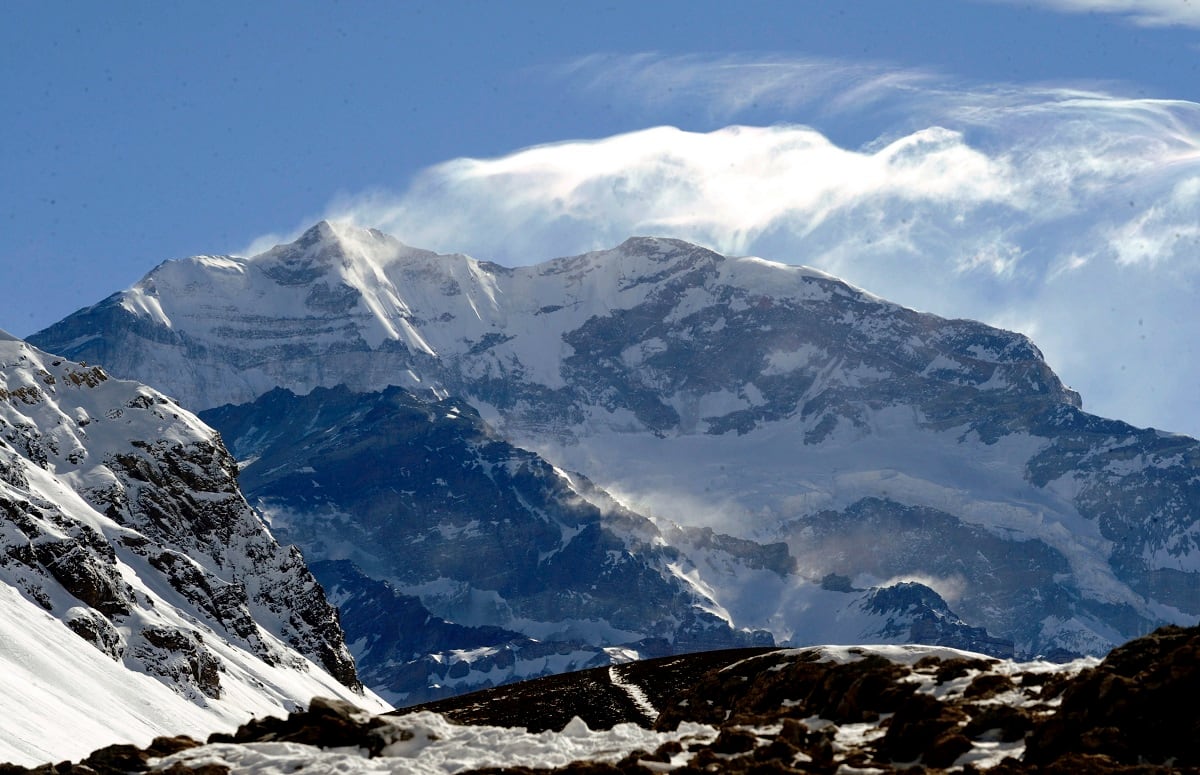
(343, 288)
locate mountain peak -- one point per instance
(321, 231)
(322, 239)
(344, 237)
(663, 248)
(330, 246)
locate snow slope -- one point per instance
(426, 744)
(61, 698)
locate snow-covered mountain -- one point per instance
(139, 593)
(772, 403)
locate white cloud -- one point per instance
(1166, 230)
(1146, 13)
(999, 258)
(730, 189)
(1069, 214)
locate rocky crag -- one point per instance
(124, 537)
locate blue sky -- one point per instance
(1029, 164)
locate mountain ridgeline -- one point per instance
(657, 446)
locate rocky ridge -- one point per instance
(122, 528)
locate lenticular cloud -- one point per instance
(1068, 215)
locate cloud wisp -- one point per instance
(1145, 13)
(730, 85)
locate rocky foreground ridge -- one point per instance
(821, 710)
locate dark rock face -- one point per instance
(185, 496)
(416, 491)
(1012, 583)
(1136, 707)
(181, 658)
(85, 565)
(922, 616)
(1139, 487)
(725, 344)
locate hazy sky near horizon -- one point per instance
(1032, 164)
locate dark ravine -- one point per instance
(780, 711)
(405, 652)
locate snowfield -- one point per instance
(427, 744)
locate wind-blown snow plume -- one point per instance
(1063, 213)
